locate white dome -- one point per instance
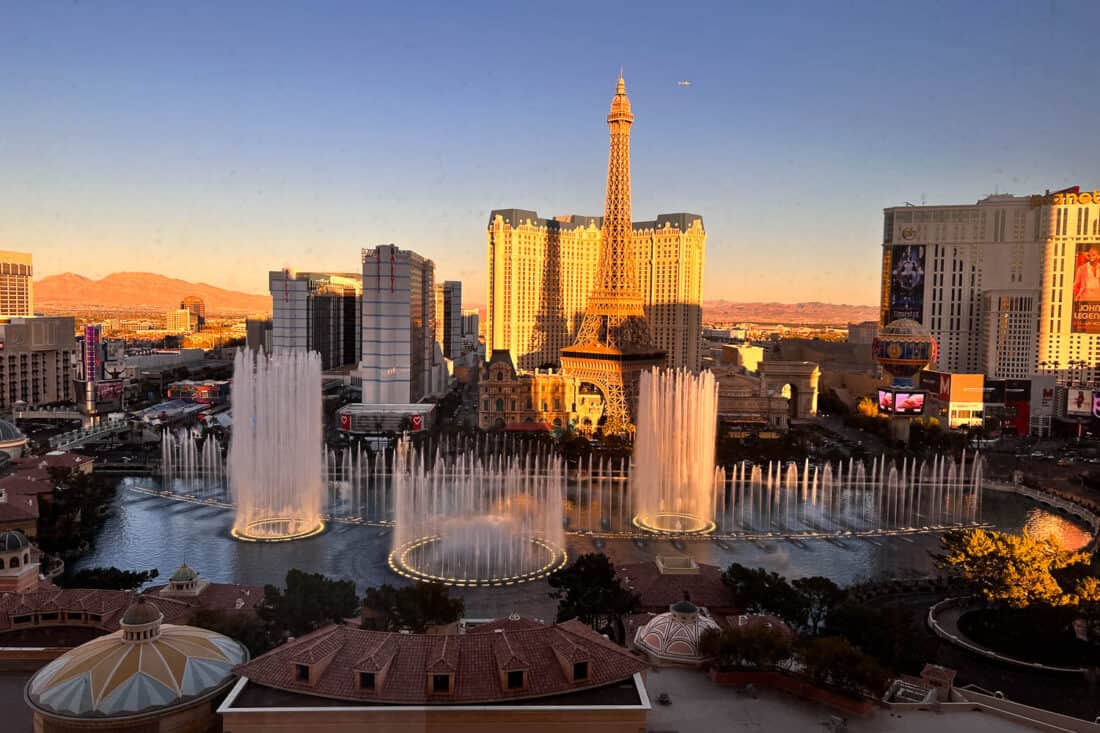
(674, 636)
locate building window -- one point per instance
(580, 671)
(366, 680)
(441, 683)
(486, 405)
(515, 680)
(500, 405)
(301, 672)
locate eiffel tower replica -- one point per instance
(614, 346)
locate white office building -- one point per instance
(317, 311)
(398, 362)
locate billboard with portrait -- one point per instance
(108, 394)
(1078, 401)
(1086, 289)
(1096, 404)
(907, 282)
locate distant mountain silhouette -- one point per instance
(788, 313)
(720, 311)
(136, 290)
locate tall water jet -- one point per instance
(275, 460)
(477, 519)
(673, 474)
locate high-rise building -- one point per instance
(16, 285)
(613, 345)
(1069, 307)
(258, 334)
(37, 357)
(197, 307)
(397, 363)
(972, 275)
(448, 318)
(317, 311)
(471, 324)
(541, 272)
(180, 321)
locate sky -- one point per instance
(216, 141)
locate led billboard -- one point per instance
(1086, 289)
(1078, 401)
(906, 282)
(901, 403)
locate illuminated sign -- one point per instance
(1066, 196)
(906, 282)
(906, 404)
(1078, 401)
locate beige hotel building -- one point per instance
(541, 271)
(1005, 285)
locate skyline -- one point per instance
(306, 139)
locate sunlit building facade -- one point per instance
(541, 271)
(16, 285)
(972, 275)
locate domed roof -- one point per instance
(9, 432)
(140, 612)
(183, 574)
(113, 676)
(11, 540)
(903, 327)
(684, 607)
(675, 635)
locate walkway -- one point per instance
(944, 617)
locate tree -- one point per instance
(107, 578)
(1010, 569)
(832, 660)
(588, 589)
(410, 608)
(1088, 601)
(310, 601)
(867, 407)
(759, 591)
(819, 596)
(887, 634)
(243, 627)
(758, 647)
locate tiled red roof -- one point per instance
(658, 591)
(18, 508)
(20, 485)
(109, 604)
(474, 659)
(217, 596)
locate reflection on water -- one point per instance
(150, 532)
(1041, 522)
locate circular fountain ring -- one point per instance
(278, 529)
(675, 523)
(403, 561)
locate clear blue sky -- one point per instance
(216, 143)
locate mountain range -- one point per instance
(135, 291)
(815, 313)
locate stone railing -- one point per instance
(961, 641)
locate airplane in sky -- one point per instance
(684, 83)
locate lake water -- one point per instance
(146, 531)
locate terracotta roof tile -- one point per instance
(474, 659)
(658, 591)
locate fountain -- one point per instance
(473, 519)
(673, 475)
(275, 459)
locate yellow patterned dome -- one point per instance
(144, 666)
